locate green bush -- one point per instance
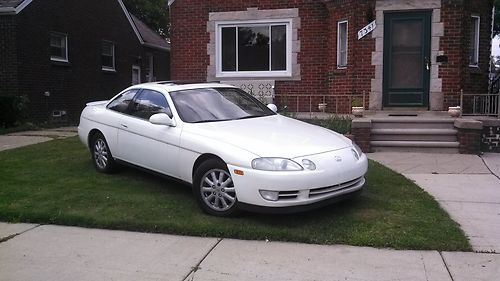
(338, 123)
(13, 110)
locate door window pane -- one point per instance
(406, 60)
(253, 48)
(122, 102)
(149, 103)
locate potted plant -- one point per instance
(322, 106)
(357, 107)
(454, 111)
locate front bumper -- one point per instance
(337, 173)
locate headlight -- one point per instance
(275, 164)
(358, 150)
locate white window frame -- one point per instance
(270, 73)
(138, 68)
(346, 44)
(107, 68)
(65, 38)
(476, 41)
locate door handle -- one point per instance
(124, 126)
(427, 64)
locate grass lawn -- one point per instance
(55, 183)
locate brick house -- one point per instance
(416, 54)
(62, 54)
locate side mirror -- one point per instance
(273, 107)
(162, 119)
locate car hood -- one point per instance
(272, 136)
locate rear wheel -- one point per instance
(214, 188)
(101, 155)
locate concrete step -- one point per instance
(437, 135)
(444, 150)
(415, 146)
(436, 144)
(412, 123)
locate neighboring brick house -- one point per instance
(420, 55)
(62, 54)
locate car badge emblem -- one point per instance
(338, 158)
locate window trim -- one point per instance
(346, 44)
(136, 67)
(57, 58)
(107, 68)
(477, 40)
(236, 74)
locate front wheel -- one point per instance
(214, 189)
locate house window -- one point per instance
(254, 49)
(342, 44)
(108, 56)
(474, 41)
(58, 47)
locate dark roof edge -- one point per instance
(127, 14)
(15, 10)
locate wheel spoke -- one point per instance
(221, 177)
(228, 181)
(207, 189)
(228, 197)
(214, 177)
(210, 183)
(217, 201)
(210, 197)
(224, 203)
(229, 189)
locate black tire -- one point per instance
(219, 197)
(101, 154)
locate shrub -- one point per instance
(13, 110)
(338, 123)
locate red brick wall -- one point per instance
(456, 73)
(318, 37)
(356, 78)
(189, 40)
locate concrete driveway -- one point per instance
(466, 186)
(20, 139)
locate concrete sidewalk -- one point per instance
(53, 253)
(464, 186)
(19, 139)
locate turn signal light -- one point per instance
(239, 172)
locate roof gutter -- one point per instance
(15, 10)
(156, 46)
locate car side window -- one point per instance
(148, 103)
(122, 102)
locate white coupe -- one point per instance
(235, 152)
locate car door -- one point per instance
(155, 147)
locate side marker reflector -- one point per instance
(239, 172)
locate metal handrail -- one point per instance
(480, 104)
(335, 109)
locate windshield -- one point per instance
(217, 104)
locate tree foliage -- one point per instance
(153, 13)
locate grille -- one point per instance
(315, 192)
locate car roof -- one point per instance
(171, 86)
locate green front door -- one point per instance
(407, 53)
